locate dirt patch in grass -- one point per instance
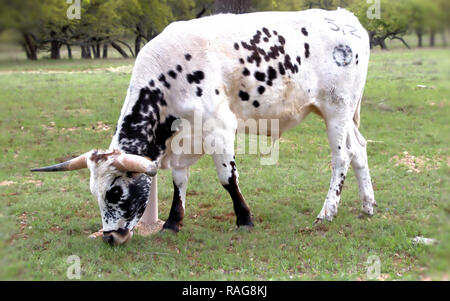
(320, 229)
(99, 126)
(225, 217)
(79, 111)
(146, 229)
(37, 183)
(7, 183)
(417, 164)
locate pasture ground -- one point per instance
(51, 110)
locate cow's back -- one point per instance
(259, 65)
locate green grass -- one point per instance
(44, 218)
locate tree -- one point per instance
(148, 21)
(393, 24)
(232, 6)
(27, 17)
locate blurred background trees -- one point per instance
(126, 25)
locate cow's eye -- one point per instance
(113, 195)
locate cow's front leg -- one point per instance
(338, 137)
(176, 215)
(228, 177)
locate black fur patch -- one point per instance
(162, 78)
(217, 92)
(241, 60)
(281, 68)
(240, 206)
(299, 60)
(151, 83)
(195, 77)
(266, 32)
(246, 72)
(244, 95)
(271, 75)
(176, 214)
(172, 74)
(236, 46)
(141, 131)
(261, 89)
(129, 205)
(288, 64)
(304, 31)
(187, 56)
(254, 57)
(258, 53)
(260, 76)
(199, 92)
(179, 68)
(255, 103)
(307, 52)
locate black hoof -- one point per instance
(172, 226)
(243, 228)
(247, 224)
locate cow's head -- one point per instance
(121, 183)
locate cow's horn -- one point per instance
(76, 163)
(134, 163)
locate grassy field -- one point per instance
(51, 110)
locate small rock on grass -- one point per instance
(424, 241)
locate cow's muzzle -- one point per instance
(118, 237)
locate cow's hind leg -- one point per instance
(361, 167)
(339, 140)
(228, 176)
(176, 215)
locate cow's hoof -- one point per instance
(365, 214)
(321, 220)
(244, 228)
(171, 226)
(246, 223)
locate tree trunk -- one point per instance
(85, 52)
(432, 38)
(372, 39)
(137, 44)
(97, 49)
(119, 49)
(105, 51)
(27, 52)
(444, 38)
(69, 51)
(55, 47)
(30, 46)
(382, 43)
(232, 6)
(419, 38)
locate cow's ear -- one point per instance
(134, 163)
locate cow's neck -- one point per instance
(143, 130)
